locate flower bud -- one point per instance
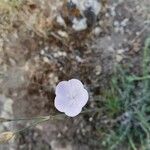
(6, 136)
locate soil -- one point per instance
(34, 58)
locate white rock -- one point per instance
(62, 33)
(60, 21)
(79, 25)
(97, 31)
(124, 22)
(98, 70)
(120, 51)
(42, 52)
(83, 5)
(46, 60)
(119, 58)
(116, 24)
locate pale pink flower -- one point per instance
(71, 97)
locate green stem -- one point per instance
(42, 119)
(25, 119)
(131, 143)
(32, 125)
(59, 116)
(138, 78)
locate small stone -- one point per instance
(112, 11)
(90, 119)
(79, 59)
(42, 52)
(59, 135)
(107, 15)
(120, 51)
(101, 22)
(97, 31)
(45, 59)
(116, 24)
(60, 21)
(64, 54)
(119, 58)
(93, 4)
(55, 55)
(98, 70)
(79, 24)
(26, 67)
(137, 33)
(40, 127)
(46, 48)
(124, 22)
(62, 34)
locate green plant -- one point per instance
(129, 99)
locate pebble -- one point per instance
(79, 24)
(119, 58)
(42, 52)
(63, 34)
(120, 51)
(98, 70)
(60, 21)
(83, 5)
(116, 23)
(45, 59)
(46, 48)
(79, 59)
(90, 119)
(97, 31)
(112, 11)
(124, 22)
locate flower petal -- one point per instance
(73, 111)
(62, 88)
(75, 85)
(61, 103)
(82, 98)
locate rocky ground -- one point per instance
(44, 42)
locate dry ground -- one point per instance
(34, 58)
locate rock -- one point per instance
(98, 70)
(97, 31)
(60, 21)
(56, 145)
(119, 58)
(79, 24)
(62, 33)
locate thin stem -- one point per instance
(25, 119)
(59, 116)
(131, 143)
(42, 119)
(138, 78)
(33, 125)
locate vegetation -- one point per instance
(128, 101)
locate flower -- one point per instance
(71, 96)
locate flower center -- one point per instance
(72, 96)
